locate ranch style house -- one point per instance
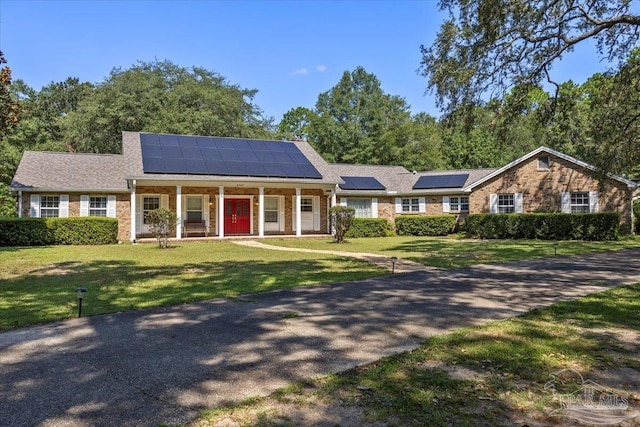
(233, 186)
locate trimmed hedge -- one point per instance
(414, 225)
(58, 231)
(545, 226)
(370, 227)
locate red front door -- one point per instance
(237, 218)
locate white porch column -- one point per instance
(133, 211)
(334, 201)
(221, 212)
(298, 213)
(261, 212)
(179, 211)
(20, 204)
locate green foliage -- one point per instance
(545, 226)
(58, 231)
(369, 227)
(341, 218)
(8, 205)
(162, 223)
(636, 215)
(420, 225)
(9, 106)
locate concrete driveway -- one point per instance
(164, 365)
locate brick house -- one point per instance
(229, 186)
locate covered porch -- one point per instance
(233, 209)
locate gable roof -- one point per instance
(52, 171)
(543, 149)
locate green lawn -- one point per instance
(453, 251)
(491, 375)
(37, 284)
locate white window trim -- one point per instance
(450, 204)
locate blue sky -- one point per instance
(289, 51)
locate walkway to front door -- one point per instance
(237, 216)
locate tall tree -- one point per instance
(488, 46)
(163, 97)
(9, 106)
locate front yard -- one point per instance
(37, 284)
(453, 251)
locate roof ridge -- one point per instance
(72, 153)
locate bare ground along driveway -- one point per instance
(164, 365)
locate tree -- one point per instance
(162, 222)
(488, 46)
(7, 202)
(162, 97)
(352, 117)
(341, 218)
(295, 123)
(9, 106)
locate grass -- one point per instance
(481, 376)
(37, 284)
(454, 251)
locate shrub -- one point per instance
(636, 214)
(413, 225)
(370, 227)
(58, 231)
(162, 222)
(341, 218)
(552, 226)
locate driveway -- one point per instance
(164, 365)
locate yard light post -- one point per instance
(80, 292)
(393, 264)
(555, 248)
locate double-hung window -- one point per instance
(362, 207)
(271, 209)
(98, 206)
(411, 205)
(506, 203)
(49, 206)
(149, 203)
(459, 203)
(194, 208)
(580, 202)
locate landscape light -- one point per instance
(80, 292)
(393, 264)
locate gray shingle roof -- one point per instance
(42, 171)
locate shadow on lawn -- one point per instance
(49, 293)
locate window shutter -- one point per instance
(182, 216)
(422, 205)
(594, 205)
(493, 203)
(281, 212)
(446, 206)
(398, 205)
(205, 210)
(374, 207)
(164, 201)
(517, 203)
(84, 205)
(63, 207)
(34, 210)
(111, 206)
(316, 213)
(293, 213)
(138, 214)
(565, 202)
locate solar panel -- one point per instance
(441, 181)
(180, 154)
(361, 183)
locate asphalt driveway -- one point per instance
(164, 365)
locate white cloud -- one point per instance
(322, 68)
(300, 71)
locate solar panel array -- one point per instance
(198, 155)
(441, 181)
(361, 183)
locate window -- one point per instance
(361, 206)
(506, 203)
(306, 205)
(580, 203)
(271, 209)
(149, 204)
(194, 208)
(411, 205)
(459, 204)
(98, 206)
(49, 206)
(543, 163)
